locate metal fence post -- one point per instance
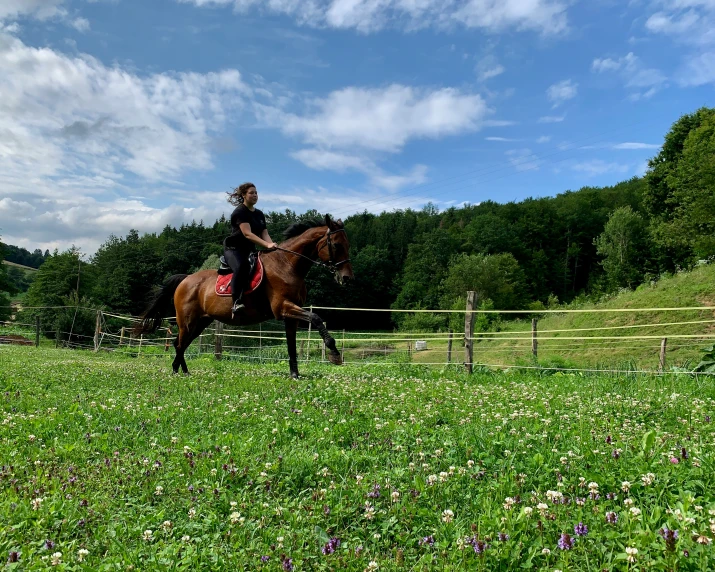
(469, 331)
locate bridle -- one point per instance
(330, 265)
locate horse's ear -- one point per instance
(328, 222)
(340, 223)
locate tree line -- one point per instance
(530, 254)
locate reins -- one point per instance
(330, 265)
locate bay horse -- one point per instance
(280, 295)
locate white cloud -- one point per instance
(505, 139)
(562, 91)
(596, 167)
(636, 145)
(80, 24)
(551, 119)
(488, 67)
(698, 70)
(523, 159)
(366, 16)
(382, 119)
(394, 183)
(544, 139)
(42, 9)
(66, 115)
(639, 80)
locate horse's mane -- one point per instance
(298, 228)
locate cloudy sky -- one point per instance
(120, 114)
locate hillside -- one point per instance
(20, 266)
(696, 288)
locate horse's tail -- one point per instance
(161, 305)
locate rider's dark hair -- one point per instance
(236, 196)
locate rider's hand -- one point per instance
(272, 246)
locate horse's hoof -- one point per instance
(294, 374)
(335, 359)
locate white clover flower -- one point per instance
(470, 463)
(36, 503)
(56, 559)
(148, 535)
(628, 502)
(593, 487)
(635, 511)
(185, 538)
(395, 495)
(371, 566)
(31, 438)
(159, 490)
(546, 551)
(543, 507)
(631, 552)
(192, 513)
(528, 510)
(508, 503)
(447, 516)
(648, 479)
(233, 504)
(82, 553)
(234, 517)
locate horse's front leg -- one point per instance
(291, 328)
(295, 312)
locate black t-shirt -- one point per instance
(242, 214)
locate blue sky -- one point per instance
(125, 114)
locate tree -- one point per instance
(6, 287)
(679, 190)
(495, 277)
(624, 245)
(61, 275)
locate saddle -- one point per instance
(255, 271)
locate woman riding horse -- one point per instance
(248, 228)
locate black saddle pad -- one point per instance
(226, 269)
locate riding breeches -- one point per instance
(238, 261)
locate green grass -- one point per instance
(237, 461)
(696, 288)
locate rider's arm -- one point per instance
(267, 237)
(246, 230)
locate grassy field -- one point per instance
(111, 463)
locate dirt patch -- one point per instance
(16, 340)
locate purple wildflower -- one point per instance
(331, 545)
(608, 440)
(14, 557)
(265, 559)
(428, 540)
(580, 529)
(670, 537)
(375, 492)
(503, 537)
(683, 453)
(479, 546)
(594, 495)
(358, 550)
(287, 563)
(565, 542)
(611, 496)
(616, 454)
(686, 553)
(611, 517)
(49, 545)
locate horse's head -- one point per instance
(334, 249)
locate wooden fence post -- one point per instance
(97, 326)
(121, 336)
(322, 346)
(342, 349)
(307, 345)
(449, 346)
(534, 341)
(469, 331)
(37, 331)
(661, 363)
(218, 347)
(168, 336)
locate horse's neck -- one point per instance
(305, 244)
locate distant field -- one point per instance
(28, 268)
(111, 462)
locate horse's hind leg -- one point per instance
(188, 332)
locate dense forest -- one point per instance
(517, 255)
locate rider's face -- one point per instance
(251, 197)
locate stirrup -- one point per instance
(238, 305)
